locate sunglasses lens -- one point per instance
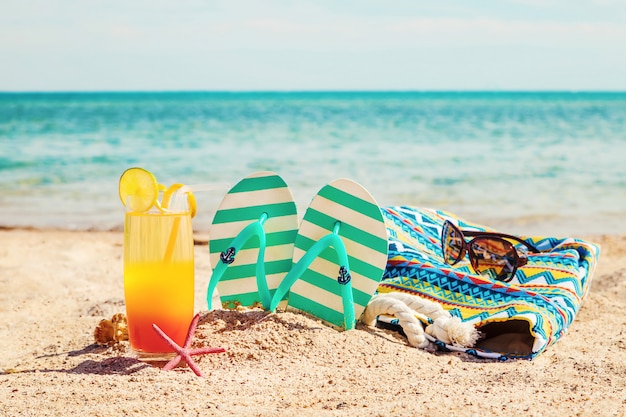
(451, 244)
(493, 257)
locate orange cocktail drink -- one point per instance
(158, 279)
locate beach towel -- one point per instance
(518, 319)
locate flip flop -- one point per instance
(339, 257)
(251, 241)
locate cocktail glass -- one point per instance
(158, 279)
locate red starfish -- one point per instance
(185, 353)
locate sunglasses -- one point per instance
(490, 254)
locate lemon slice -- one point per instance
(139, 189)
(162, 188)
(169, 193)
(191, 200)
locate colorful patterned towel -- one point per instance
(518, 319)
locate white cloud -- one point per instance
(252, 41)
(280, 24)
(375, 34)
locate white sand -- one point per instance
(56, 286)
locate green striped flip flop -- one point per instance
(251, 241)
(339, 257)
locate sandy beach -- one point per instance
(57, 285)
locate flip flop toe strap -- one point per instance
(228, 256)
(344, 278)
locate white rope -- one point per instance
(428, 308)
(407, 307)
(453, 332)
(387, 305)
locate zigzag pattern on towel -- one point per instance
(466, 291)
(547, 293)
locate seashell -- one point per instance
(111, 331)
(104, 332)
(120, 325)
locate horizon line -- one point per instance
(280, 91)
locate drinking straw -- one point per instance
(169, 250)
(177, 200)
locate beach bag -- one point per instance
(515, 319)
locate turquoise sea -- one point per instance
(527, 163)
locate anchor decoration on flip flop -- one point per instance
(344, 276)
(228, 256)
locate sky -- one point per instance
(257, 45)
